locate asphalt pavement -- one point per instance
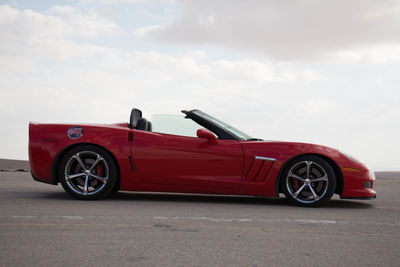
(40, 225)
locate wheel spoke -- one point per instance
(321, 179)
(308, 182)
(299, 190)
(79, 160)
(98, 159)
(72, 176)
(308, 163)
(291, 174)
(86, 173)
(101, 179)
(85, 187)
(313, 192)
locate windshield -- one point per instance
(223, 125)
(174, 124)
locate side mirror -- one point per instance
(211, 138)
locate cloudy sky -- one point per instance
(316, 71)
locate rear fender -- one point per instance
(48, 143)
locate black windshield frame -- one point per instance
(221, 129)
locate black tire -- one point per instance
(115, 188)
(308, 181)
(95, 179)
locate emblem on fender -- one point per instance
(75, 132)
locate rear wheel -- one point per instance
(309, 181)
(88, 172)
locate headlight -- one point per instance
(372, 174)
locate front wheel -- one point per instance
(88, 172)
(309, 181)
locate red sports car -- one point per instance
(92, 161)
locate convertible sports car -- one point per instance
(92, 161)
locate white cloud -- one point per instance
(284, 29)
(57, 22)
(110, 1)
(142, 31)
(379, 54)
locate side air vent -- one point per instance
(259, 170)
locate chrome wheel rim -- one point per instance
(307, 181)
(86, 173)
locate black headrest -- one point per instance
(136, 114)
(142, 124)
(149, 126)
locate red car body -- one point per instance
(159, 162)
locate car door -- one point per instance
(184, 161)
